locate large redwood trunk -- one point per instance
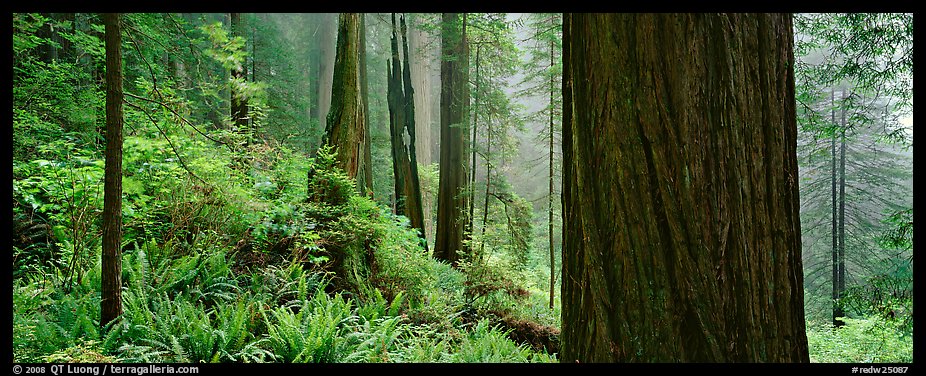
(346, 125)
(680, 197)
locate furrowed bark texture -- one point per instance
(680, 199)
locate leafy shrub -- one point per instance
(869, 340)
(83, 352)
(326, 182)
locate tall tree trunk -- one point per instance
(326, 63)
(837, 310)
(401, 98)
(488, 161)
(550, 192)
(681, 237)
(345, 130)
(472, 178)
(111, 269)
(842, 207)
(365, 179)
(396, 102)
(453, 197)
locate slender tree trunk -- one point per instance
(681, 237)
(111, 289)
(365, 180)
(346, 123)
(254, 53)
(472, 179)
(453, 195)
(837, 311)
(326, 65)
(239, 103)
(550, 192)
(842, 206)
(488, 161)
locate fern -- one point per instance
(487, 344)
(232, 330)
(378, 341)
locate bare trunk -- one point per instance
(550, 192)
(111, 289)
(472, 179)
(841, 285)
(837, 311)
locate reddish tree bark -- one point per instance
(680, 199)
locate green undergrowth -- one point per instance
(865, 340)
(235, 260)
(194, 309)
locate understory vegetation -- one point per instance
(258, 266)
(251, 270)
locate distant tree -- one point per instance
(544, 73)
(239, 74)
(422, 45)
(496, 119)
(854, 83)
(326, 62)
(873, 52)
(681, 238)
(111, 289)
